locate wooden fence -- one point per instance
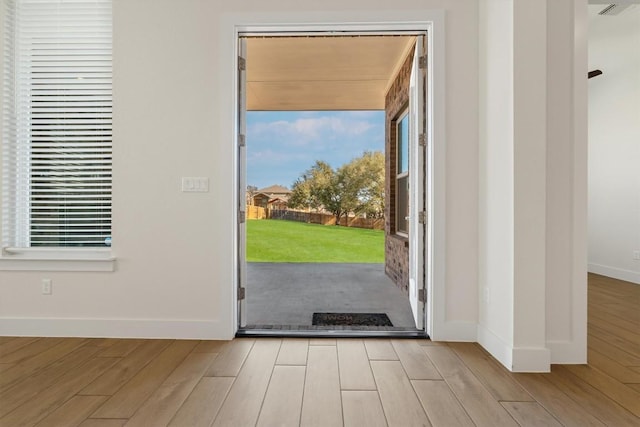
(326, 219)
(256, 212)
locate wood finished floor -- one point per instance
(322, 382)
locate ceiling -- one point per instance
(614, 2)
(322, 72)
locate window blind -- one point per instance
(57, 123)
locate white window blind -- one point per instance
(57, 127)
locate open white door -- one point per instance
(242, 182)
(417, 161)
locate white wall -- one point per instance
(532, 182)
(566, 191)
(496, 227)
(614, 144)
(173, 117)
(173, 93)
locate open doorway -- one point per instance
(347, 72)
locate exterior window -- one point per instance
(57, 123)
(402, 174)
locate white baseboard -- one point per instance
(115, 328)
(536, 359)
(616, 273)
(567, 352)
(455, 331)
(495, 346)
(515, 359)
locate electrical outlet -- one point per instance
(47, 286)
(636, 255)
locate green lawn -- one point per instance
(290, 241)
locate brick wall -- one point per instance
(396, 247)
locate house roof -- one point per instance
(275, 189)
(271, 199)
(283, 199)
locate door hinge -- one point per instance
(242, 140)
(242, 63)
(241, 293)
(422, 62)
(422, 140)
(422, 217)
(422, 296)
(242, 217)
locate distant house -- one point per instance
(272, 197)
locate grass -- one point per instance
(290, 241)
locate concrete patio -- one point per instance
(281, 294)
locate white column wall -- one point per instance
(532, 183)
(566, 293)
(530, 138)
(496, 225)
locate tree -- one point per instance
(319, 188)
(333, 196)
(251, 191)
(356, 187)
(363, 184)
(309, 190)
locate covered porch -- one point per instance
(285, 295)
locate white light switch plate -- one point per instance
(195, 184)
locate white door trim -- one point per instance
(241, 150)
(417, 164)
(232, 25)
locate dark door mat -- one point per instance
(351, 319)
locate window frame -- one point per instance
(33, 257)
(401, 175)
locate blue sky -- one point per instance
(282, 145)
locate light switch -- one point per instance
(202, 184)
(187, 184)
(197, 184)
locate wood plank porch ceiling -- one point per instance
(322, 72)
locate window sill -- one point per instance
(57, 260)
(404, 238)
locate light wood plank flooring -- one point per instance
(353, 382)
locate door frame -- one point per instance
(234, 25)
(417, 179)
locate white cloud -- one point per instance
(282, 145)
(270, 157)
(306, 130)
